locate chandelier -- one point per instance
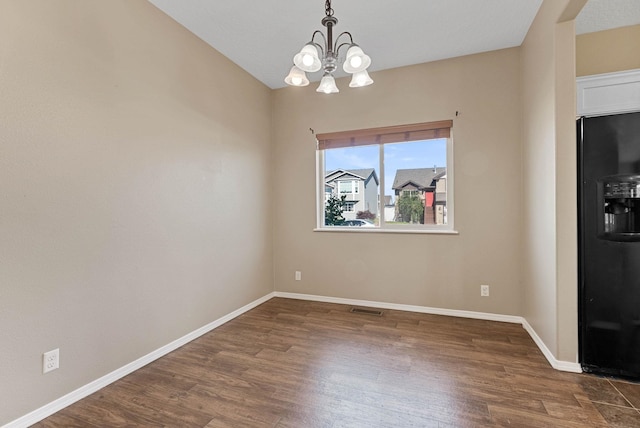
(308, 60)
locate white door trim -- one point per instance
(610, 93)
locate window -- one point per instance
(348, 186)
(397, 178)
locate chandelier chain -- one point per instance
(328, 10)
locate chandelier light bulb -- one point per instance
(328, 85)
(356, 60)
(360, 79)
(307, 59)
(296, 77)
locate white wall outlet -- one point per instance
(484, 290)
(298, 275)
(50, 360)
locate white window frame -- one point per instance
(385, 227)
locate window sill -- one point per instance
(377, 230)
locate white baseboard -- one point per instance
(565, 366)
(401, 307)
(88, 389)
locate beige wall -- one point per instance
(538, 191)
(135, 190)
(549, 178)
(608, 51)
(430, 270)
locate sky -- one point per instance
(416, 154)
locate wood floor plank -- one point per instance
(292, 363)
(61, 419)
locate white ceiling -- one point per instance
(599, 15)
(263, 36)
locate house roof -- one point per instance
(419, 177)
(363, 174)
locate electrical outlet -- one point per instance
(484, 291)
(50, 360)
(298, 275)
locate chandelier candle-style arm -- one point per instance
(324, 40)
(308, 59)
(337, 47)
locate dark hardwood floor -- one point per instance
(291, 363)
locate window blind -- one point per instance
(388, 134)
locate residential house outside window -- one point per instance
(425, 184)
(346, 185)
(404, 172)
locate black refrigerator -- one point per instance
(609, 244)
